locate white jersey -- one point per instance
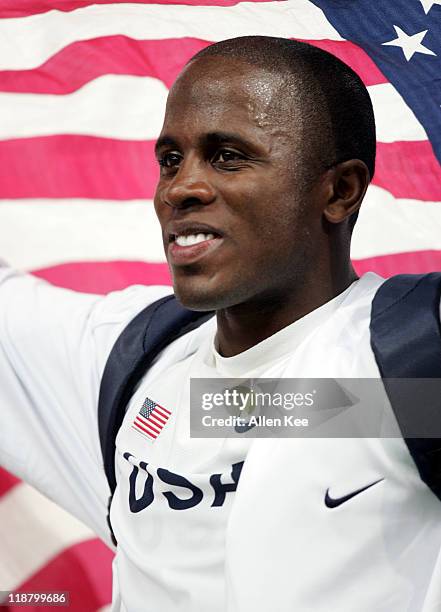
(198, 529)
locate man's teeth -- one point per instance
(192, 239)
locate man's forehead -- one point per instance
(214, 86)
(225, 79)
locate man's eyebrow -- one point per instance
(165, 141)
(218, 138)
(211, 139)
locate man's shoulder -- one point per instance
(122, 306)
(355, 309)
(364, 290)
(112, 314)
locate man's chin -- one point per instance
(198, 294)
(195, 299)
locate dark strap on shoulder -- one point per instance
(406, 341)
(133, 353)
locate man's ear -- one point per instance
(347, 185)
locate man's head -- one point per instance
(268, 145)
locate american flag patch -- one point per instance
(151, 419)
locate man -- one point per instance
(266, 152)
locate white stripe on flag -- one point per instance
(388, 225)
(59, 231)
(157, 421)
(146, 430)
(32, 531)
(123, 106)
(132, 108)
(149, 423)
(394, 119)
(29, 41)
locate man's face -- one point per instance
(238, 224)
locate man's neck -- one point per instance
(245, 325)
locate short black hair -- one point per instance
(330, 93)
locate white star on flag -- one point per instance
(409, 44)
(427, 4)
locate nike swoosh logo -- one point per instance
(334, 502)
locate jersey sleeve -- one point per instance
(54, 344)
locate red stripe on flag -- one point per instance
(103, 277)
(72, 166)
(408, 170)
(148, 430)
(83, 569)
(7, 481)
(148, 423)
(83, 61)
(161, 415)
(157, 420)
(144, 433)
(22, 8)
(416, 262)
(355, 57)
(159, 407)
(149, 426)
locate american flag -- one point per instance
(82, 91)
(151, 419)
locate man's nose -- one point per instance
(190, 187)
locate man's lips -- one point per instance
(181, 255)
(190, 240)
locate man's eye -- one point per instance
(226, 156)
(170, 160)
